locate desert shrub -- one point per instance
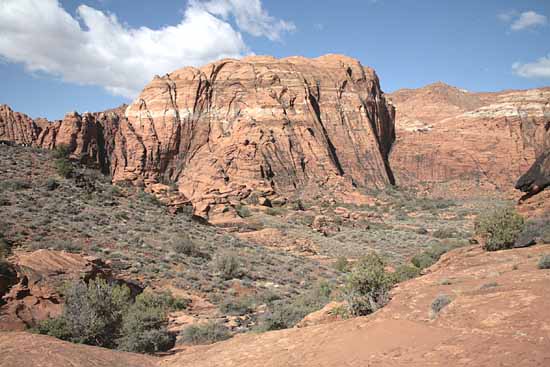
(405, 272)
(14, 185)
(499, 229)
(64, 167)
(103, 314)
(423, 260)
(544, 262)
(61, 152)
(367, 286)
(444, 233)
(440, 302)
(243, 211)
(51, 184)
(144, 325)
(341, 264)
(284, 315)
(149, 198)
(208, 333)
(184, 244)
(237, 306)
(92, 314)
(275, 211)
(430, 256)
(5, 247)
(228, 265)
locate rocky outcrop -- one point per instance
(477, 139)
(234, 128)
(36, 294)
(262, 125)
(17, 127)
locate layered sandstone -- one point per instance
(35, 294)
(486, 139)
(258, 126)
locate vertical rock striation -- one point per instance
(260, 125)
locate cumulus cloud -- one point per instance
(537, 69)
(95, 48)
(249, 16)
(521, 21)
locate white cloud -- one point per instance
(520, 21)
(249, 16)
(537, 69)
(102, 51)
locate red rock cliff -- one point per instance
(234, 127)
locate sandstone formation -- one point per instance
(35, 295)
(234, 128)
(478, 139)
(497, 317)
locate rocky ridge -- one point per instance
(477, 139)
(237, 129)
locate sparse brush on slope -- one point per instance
(103, 314)
(367, 285)
(499, 229)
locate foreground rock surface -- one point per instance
(25, 349)
(497, 317)
(446, 134)
(232, 129)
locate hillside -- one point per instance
(496, 317)
(460, 141)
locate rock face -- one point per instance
(233, 128)
(35, 296)
(487, 139)
(262, 125)
(537, 178)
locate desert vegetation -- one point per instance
(499, 229)
(103, 314)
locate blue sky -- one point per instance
(59, 56)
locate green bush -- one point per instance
(61, 152)
(207, 333)
(51, 184)
(5, 247)
(405, 272)
(92, 313)
(144, 325)
(499, 229)
(444, 233)
(341, 264)
(237, 306)
(367, 286)
(284, 315)
(544, 262)
(228, 265)
(64, 167)
(430, 256)
(545, 236)
(103, 314)
(440, 302)
(184, 244)
(243, 211)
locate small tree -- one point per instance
(92, 314)
(499, 229)
(367, 286)
(144, 326)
